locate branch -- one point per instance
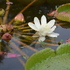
(6, 14)
(23, 10)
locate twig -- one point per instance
(6, 13)
(28, 33)
(23, 10)
(16, 47)
(21, 61)
(47, 44)
(1, 20)
(25, 45)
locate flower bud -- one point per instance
(2, 12)
(19, 18)
(6, 36)
(3, 27)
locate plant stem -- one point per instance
(19, 50)
(6, 13)
(25, 45)
(1, 20)
(23, 10)
(12, 51)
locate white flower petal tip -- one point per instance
(53, 35)
(56, 35)
(32, 26)
(51, 23)
(53, 20)
(43, 20)
(43, 16)
(53, 28)
(37, 22)
(41, 39)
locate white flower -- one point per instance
(43, 29)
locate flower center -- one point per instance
(44, 30)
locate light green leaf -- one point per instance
(48, 59)
(38, 57)
(63, 12)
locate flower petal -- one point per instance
(32, 26)
(41, 39)
(37, 22)
(53, 28)
(51, 23)
(53, 35)
(43, 20)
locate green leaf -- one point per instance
(64, 7)
(63, 12)
(63, 49)
(61, 62)
(38, 57)
(47, 59)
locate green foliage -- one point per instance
(64, 7)
(63, 16)
(61, 62)
(47, 59)
(38, 57)
(63, 12)
(63, 49)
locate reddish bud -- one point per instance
(19, 18)
(6, 36)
